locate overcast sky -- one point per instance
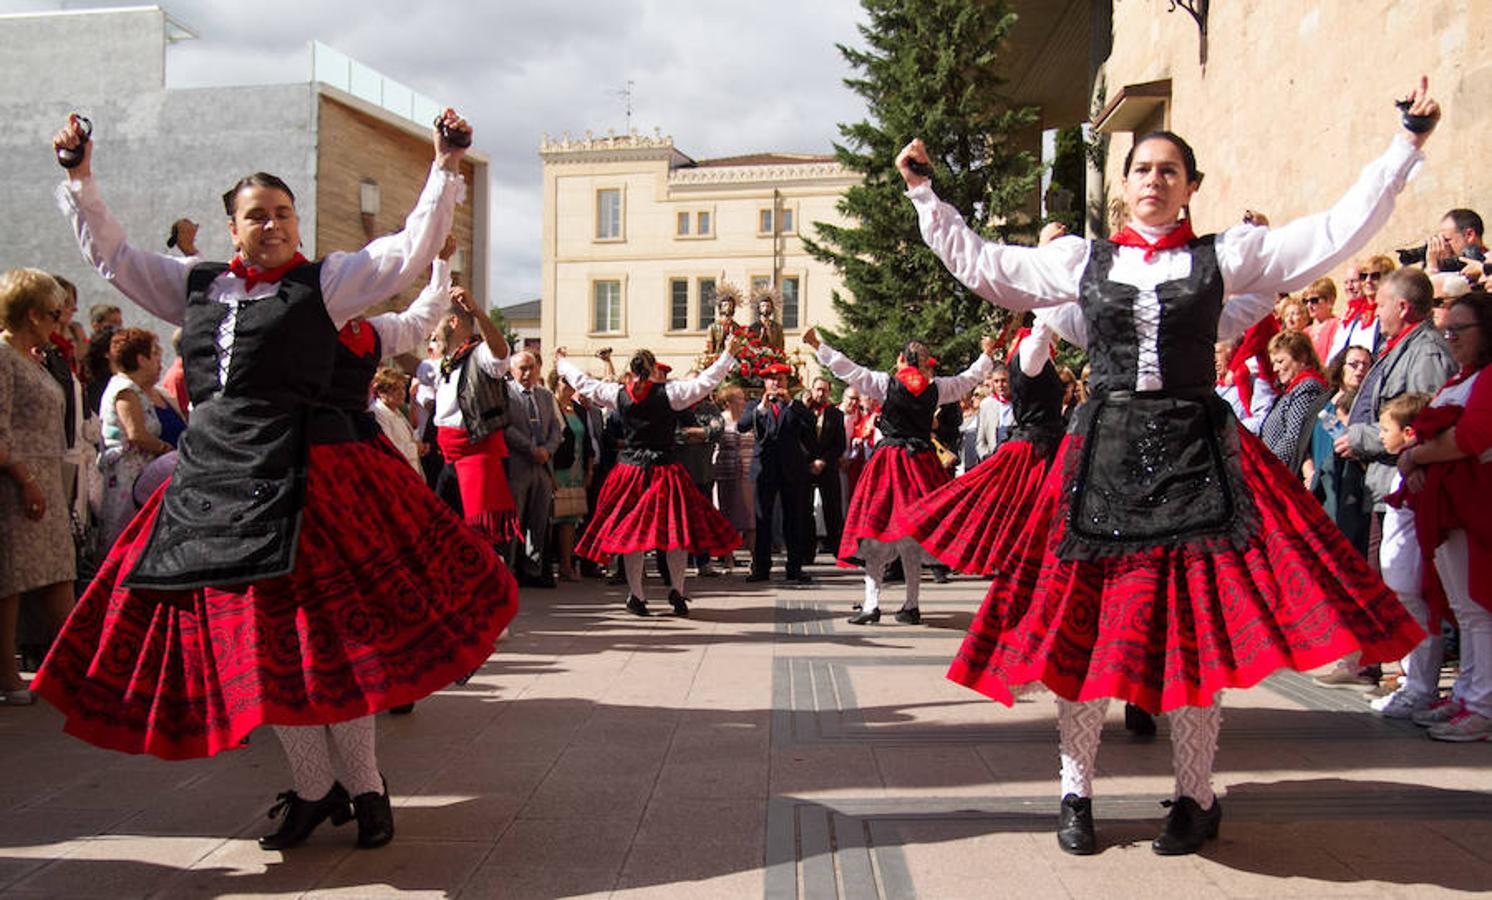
(722, 78)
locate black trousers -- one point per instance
(827, 484)
(769, 491)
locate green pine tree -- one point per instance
(929, 71)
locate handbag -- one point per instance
(569, 502)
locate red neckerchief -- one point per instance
(1465, 373)
(357, 336)
(449, 364)
(1362, 311)
(1178, 237)
(1393, 342)
(817, 407)
(65, 347)
(639, 389)
(253, 275)
(865, 427)
(913, 380)
(1305, 375)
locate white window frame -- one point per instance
(668, 325)
(621, 235)
(621, 324)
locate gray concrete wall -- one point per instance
(158, 155)
(71, 56)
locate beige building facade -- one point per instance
(638, 236)
(1292, 100)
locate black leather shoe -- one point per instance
(402, 709)
(866, 618)
(1138, 722)
(375, 818)
(1075, 826)
(1188, 827)
(637, 606)
(756, 576)
(679, 602)
(302, 816)
(911, 616)
(940, 574)
(799, 578)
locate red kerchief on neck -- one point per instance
(913, 379)
(1179, 237)
(253, 275)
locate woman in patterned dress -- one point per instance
(36, 554)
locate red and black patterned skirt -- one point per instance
(893, 479)
(1173, 625)
(973, 523)
(392, 598)
(654, 507)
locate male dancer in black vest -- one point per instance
(779, 466)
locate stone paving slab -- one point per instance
(762, 747)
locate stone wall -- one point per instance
(1296, 97)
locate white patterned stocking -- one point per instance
(1079, 727)
(1194, 731)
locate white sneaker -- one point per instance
(1468, 726)
(1399, 705)
(1437, 713)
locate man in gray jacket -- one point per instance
(1414, 358)
(533, 434)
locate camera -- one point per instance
(1415, 256)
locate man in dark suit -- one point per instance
(826, 444)
(779, 466)
(533, 434)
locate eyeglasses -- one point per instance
(1313, 300)
(1373, 276)
(1452, 332)
(1357, 363)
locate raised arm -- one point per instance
(871, 385)
(1036, 350)
(955, 387)
(1018, 278)
(153, 281)
(601, 393)
(350, 282)
(404, 331)
(684, 394)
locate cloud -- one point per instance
(722, 78)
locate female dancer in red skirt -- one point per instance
(1171, 555)
(648, 501)
(972, 523)
(904, 466)
(276, 579)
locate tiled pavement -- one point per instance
(761, 747)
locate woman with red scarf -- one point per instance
(972, 522)
(904, 467)
(1170, 556)
(275, 579)
(1302, 392)
(1451, 487)
(649, 501)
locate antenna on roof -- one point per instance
(626, 95)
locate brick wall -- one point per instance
(352, 146)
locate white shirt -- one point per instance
(425, 375)
(350, 282)
(447, 409)
(1255, 263)
(401, 332)
(397, 429)
(1260, 401)
(681, 394)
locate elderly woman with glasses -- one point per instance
(36, 552)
